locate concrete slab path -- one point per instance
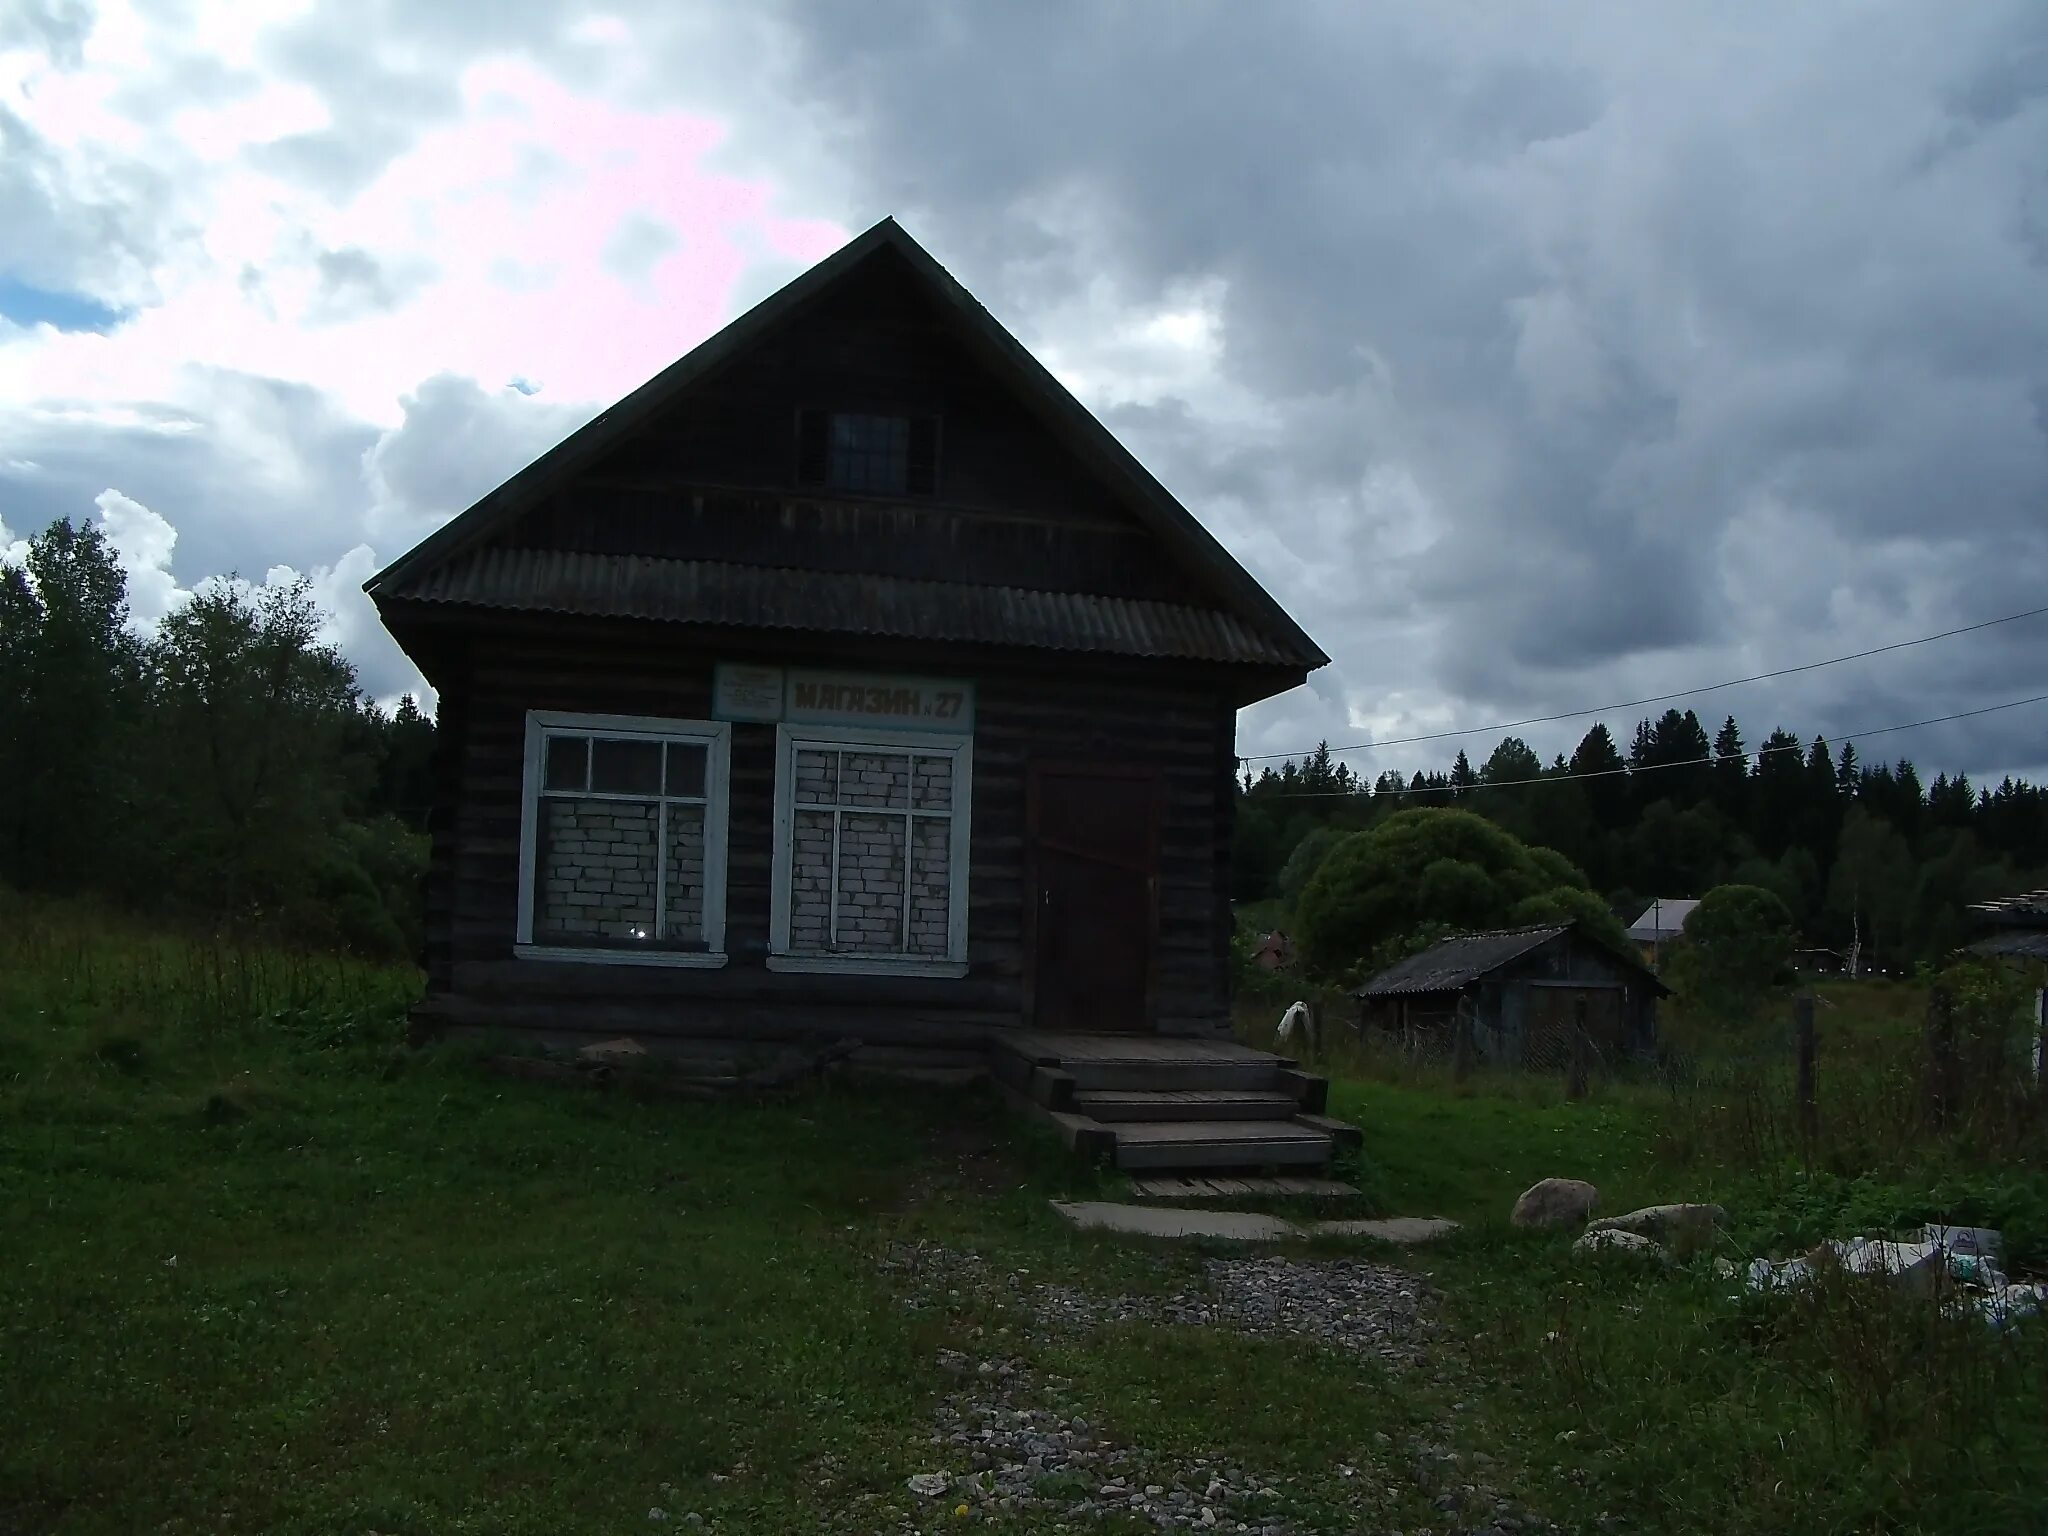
(1242, 1226)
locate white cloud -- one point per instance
(142, 541)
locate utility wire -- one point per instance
(1608, 773)
(1660, 698)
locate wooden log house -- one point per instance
(848, 679)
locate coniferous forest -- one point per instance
(1857, 850)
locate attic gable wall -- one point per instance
(713, 475)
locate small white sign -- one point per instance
(740, 692)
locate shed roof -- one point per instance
(1184, 538)
(1459, 960)
(2015, 944)
(1456, 962)
(1662, 918)
(828, 602)
(2029, 909)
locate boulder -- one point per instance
(1555, 1203)
(1618, 1240)
(1664, 1221)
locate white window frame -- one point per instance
(716, 738)
(788, 739)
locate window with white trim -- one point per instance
(870, 850)
(622, 838)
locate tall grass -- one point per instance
(79, 956)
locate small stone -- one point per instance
(1616, 1240)
(1664, 1221)
(928, 1484)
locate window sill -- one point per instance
(693, 960)
(852, 965)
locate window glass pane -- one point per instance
(683, 922)
(871, 885)
(568, 758)
(625, 767)
(874, 778)
(810, 883)
(686, 768)
(869, 453)
(931, 784)
(817, 776)
(931, 874)
(594, 872)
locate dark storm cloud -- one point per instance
(1655, 308)
(1558, 357)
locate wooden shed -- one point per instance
(1526, 991)
(847, 679)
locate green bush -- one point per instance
(1735, 943)
(1304, 861)
(1427, 871)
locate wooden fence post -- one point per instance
(1462, 1042)
(2041, 1038)
(1941, 1056)
(1809, 1108)
(1575, 1087)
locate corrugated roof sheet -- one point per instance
(2018, 944)
(1662, 919)
(760, 597)
(2029, 904)
(1459, 960)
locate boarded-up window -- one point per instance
(872, 850)
(869, 454)
(624, 835)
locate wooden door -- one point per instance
(1092, 872)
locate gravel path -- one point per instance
(1027, 1446)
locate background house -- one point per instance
(1661, 922)
(847, 679)
(1526, 990)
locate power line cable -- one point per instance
(1660, 698)
(1691, 762)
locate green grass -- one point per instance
(265, 1270)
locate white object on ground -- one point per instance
(930, 1484)
(1295, 1017)
(1986, 1243)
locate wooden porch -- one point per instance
(1156, 1103)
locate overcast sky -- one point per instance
(1534, 357)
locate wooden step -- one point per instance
(1191, 1144)
(1117, 1104)
(1173, 1076)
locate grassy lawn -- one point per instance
(264, 1271)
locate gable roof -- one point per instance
(1662, 919)
(1463, 958)
(1005, 357)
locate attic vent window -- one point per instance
(868, 454)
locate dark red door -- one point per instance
(1093, 867)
